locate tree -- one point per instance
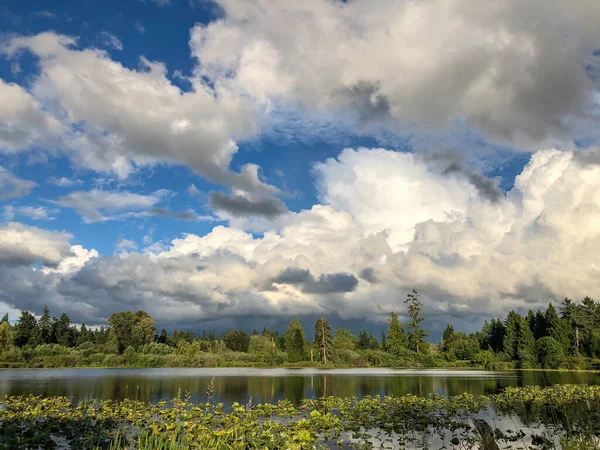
(396, 342)
(417, 334)
(43, 331)
(290, 334)
(132, 329)
(447, 336)
(6, 339)
(550, 352)
(62, 332)
(343, 339)
(236, 340)
(5, 318)
(557, 328)
(164, 337)
(519, 342)
(383, 341)
(323, 338)
(25, 329)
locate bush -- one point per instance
(155, 348)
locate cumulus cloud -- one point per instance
(505, 71)
(24, 245)
(64, 181)
(128, 116)
(97, 205)
(13, 187)
(23, 122)
(126, 244)
(238, 205)
(382, 229)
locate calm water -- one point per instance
(267, 385)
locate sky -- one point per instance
(238, 163)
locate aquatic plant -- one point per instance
(566, 415)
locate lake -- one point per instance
(268, 385)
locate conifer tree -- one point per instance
(323, 338)
(416, 334)
(396, 341)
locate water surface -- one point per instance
(268, 385)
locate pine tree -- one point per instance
(447, 336)
(323, 338)
(363, 340)
(62, 333)
(519, 342)
(383, 341)
(25, 329)
(6, 339)
(4, 318)
(417, 335)
(43, 331)
(396, 342)
(557, 328)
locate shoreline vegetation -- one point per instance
(540, 340)
(562, 416)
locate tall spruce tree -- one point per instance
(557, 328)
(519, 342)
(323, 338)
(290, 334)
(43, 331)
(24, 330)
(416, 335)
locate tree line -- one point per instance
(541, 339)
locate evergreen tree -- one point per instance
(447, 336)
(62, 332)
(323, 338)
(541, 325)
(396, 342)
(519, 342)
(4, 318)
(24, 329)
(290, 334)
(416, 335)
(363, 340)
(164, 337)
(557, 328)
(373, 342)
(237, 341)
(295, 349)
(383, 341)
(43, 331)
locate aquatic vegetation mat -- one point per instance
(562, 416)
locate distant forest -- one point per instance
(541, 339)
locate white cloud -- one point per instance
(23, 122)
(139, 117)
(64, 181)
(109, 40)
(97, 205)
(467, 256)
(33, 212)
(516, 73)
(126, 244)
(139, 27)
(13, 187)
(21, 244)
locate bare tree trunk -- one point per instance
(488, 441)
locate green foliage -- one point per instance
(291, 342)
(237, 341)
(396, 342)
(132, 329)
(323, 339)
(24, 330)
(519, 342)
(550, 352)
(416, 335)
(571, 415)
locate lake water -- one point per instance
(268, 385)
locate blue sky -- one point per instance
(128, 126)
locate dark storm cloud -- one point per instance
(368, 274)
(365, 99)
(588, 157)
(240, 206)
(326, 283)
